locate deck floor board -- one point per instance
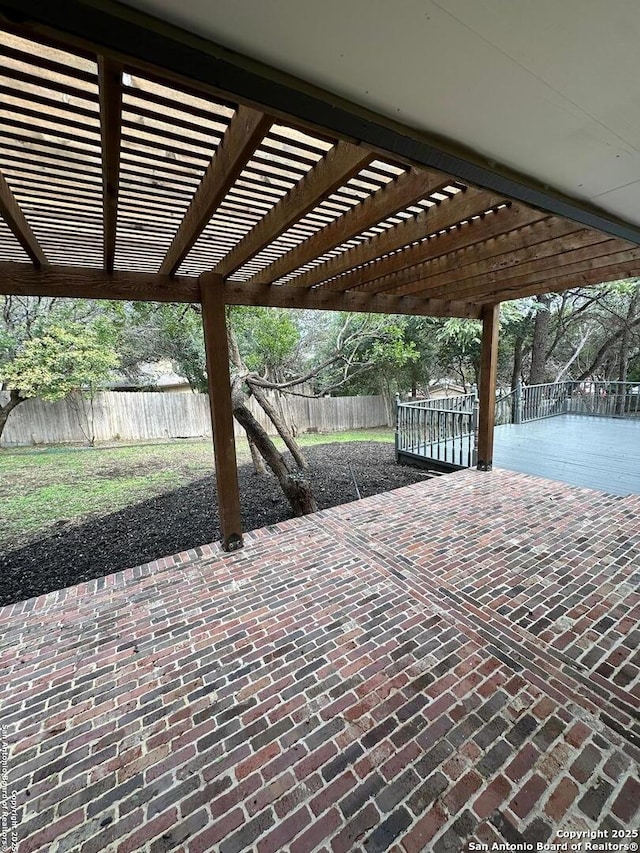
(599, 453)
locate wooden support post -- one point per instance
(487, 391)
(219, 380)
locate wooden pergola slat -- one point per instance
(14, 217)
(342, 162)
(404, 191)
(245, 132)
(436, 218)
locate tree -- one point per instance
(58, 357)
(275, 353)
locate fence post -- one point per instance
(517, 403)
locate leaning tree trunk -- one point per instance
(14, 400)
(258, 462)
(276, 419)
(297, 491)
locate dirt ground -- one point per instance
(188, 517)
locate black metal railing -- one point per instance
(439, 432)
(442, 433)
(601, 399)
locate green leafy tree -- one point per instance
(59, 357)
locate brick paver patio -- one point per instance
(448, 665)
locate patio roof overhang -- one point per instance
(136, 157)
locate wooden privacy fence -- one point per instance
(139, 415)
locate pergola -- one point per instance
(141, 164)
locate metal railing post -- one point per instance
(475, 420)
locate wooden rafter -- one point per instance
(434, 219)
(556, 284)
(86, 283)
(245, 132)
(460, 269)
(409, 188)
(110, 93)
(342, 162)
(589, 259)
(18, 225)
(397, 269)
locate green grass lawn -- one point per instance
(41, 488)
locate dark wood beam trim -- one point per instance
(214, 326)
(462, 206)
(244, 134)
(110, 92)
(407, 189)
(487, 390)
(18, 225)
(237, 293)
(341, 162)
(105, 25)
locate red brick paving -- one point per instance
(451, 664)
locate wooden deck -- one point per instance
(600, 453)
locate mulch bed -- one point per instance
(188, 517)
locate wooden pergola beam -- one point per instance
(18, 225)
(547, 284)
(237, 293)
(407, 189)
(91, 283)
(110, 94)
(449, 212)
(487, 389)
(219, 385)
(341, 162)
(544, 256)
(589, 260)
(244, 134)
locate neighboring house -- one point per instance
(439, 389)
(151, 376)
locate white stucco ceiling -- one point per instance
(550, 88)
